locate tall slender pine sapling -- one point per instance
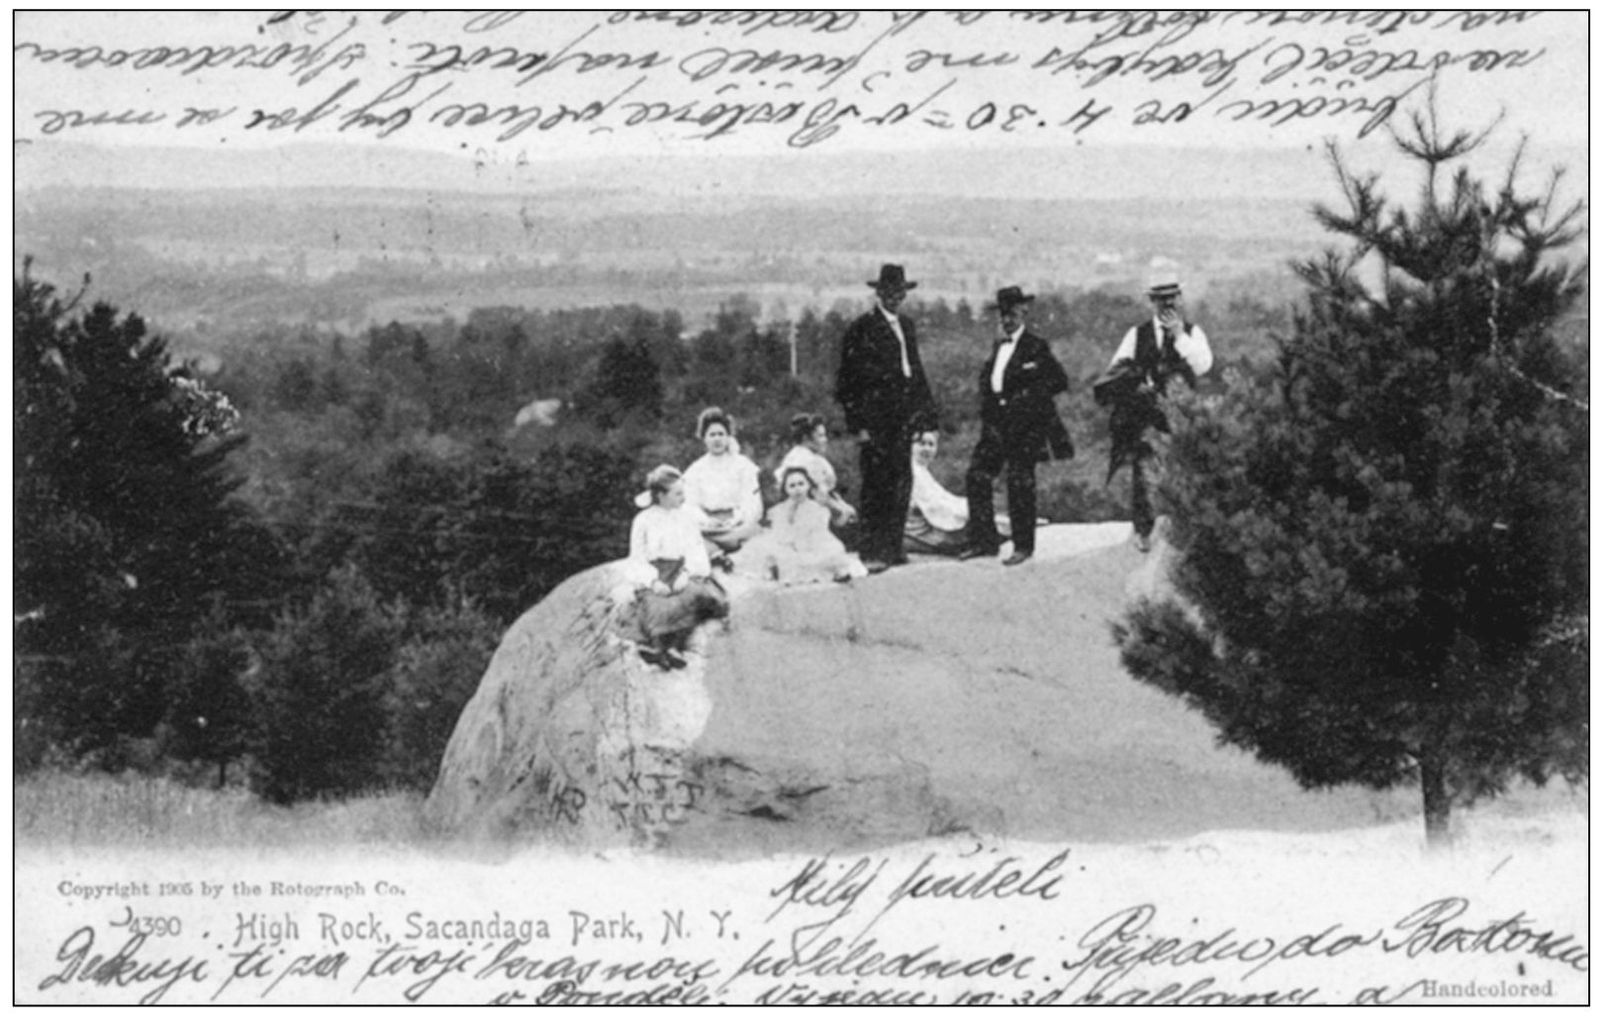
(1384, 533)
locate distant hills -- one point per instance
(1072, 173)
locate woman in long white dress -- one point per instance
(668, 563)
(937, 520)
(722, 487)
(810, 435)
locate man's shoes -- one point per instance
(1141, 541)
(1019, 557)
(876, 566)
(975, 550)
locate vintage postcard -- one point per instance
(801, 507)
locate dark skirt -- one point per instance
(665, 621)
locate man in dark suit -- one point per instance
(882, 387)
(1019, 427)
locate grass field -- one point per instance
(63, 809)
(67, 809)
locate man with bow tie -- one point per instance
(1151, 355)
(882, 387)
(1019, 428)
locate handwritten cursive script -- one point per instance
(865, 930)
(795, 79)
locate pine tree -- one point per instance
(1384, 534)
(319, 700)
(126, 533)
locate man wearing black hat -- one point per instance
(882, 387)
(1019, 427)
(1152, 353)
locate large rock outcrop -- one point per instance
(940, 697)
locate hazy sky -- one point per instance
(539, 84)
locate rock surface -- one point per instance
(938, 698)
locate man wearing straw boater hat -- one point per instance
(882, 387)
(1152, 354)
(1019, 428)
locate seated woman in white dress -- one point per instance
(811, 438)
(797, 546)
(937, 520)
(668, 563)
(722, 488)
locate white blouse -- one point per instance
(661, 534)
(943, 510)
(726, 483)
(1193, 347)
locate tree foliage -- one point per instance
(1385, 533)
(434, 676)
(126, 531)
(209, 718)
(320, 697)
(626, 380)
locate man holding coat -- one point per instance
(1019, 428)
(1151, 355)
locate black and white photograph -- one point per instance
(801, 507)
